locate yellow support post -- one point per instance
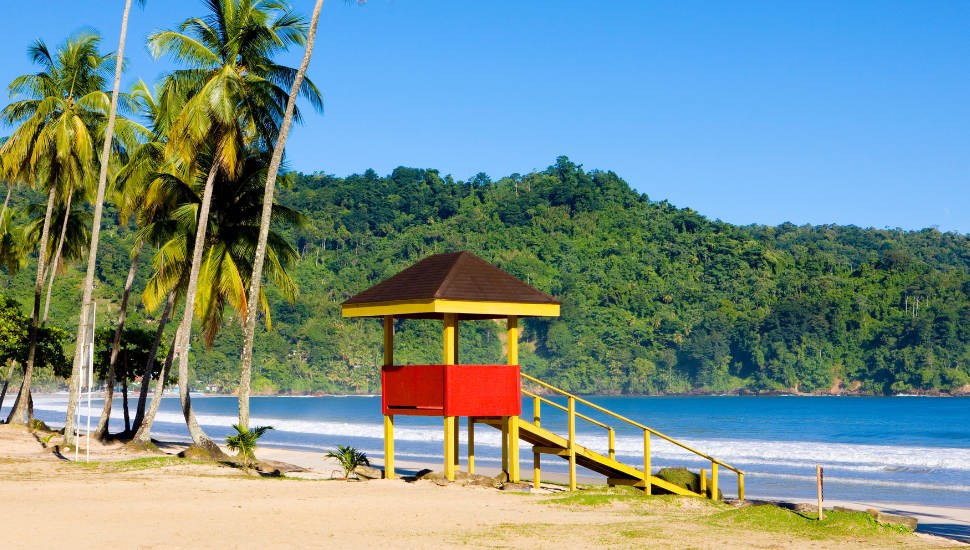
(740, 486)
(388, 419)
(388, 447)
(536, 457)
(713, 480)
(455, 445)
(451, 320)
(505, 446)
(388, 340)
(612, 450)
(513, 340)
(456, 360)
(514, 448)
(572, 443)
(449, 448)
(511, 435)
(646, 462)
(471, 445)
(703, 482)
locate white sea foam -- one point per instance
(875, 482)
(743, 453)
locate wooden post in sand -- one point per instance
(818, 481)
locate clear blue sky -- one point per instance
(810, 112)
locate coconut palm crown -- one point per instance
(236, 93)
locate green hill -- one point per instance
(655, 298)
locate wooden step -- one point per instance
(545, 442)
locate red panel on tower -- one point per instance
(451, 390)
(482, 390)
(414, 388)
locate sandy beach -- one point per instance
(110, 503)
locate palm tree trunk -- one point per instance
(102, 431)
(246, 363)
(6, 382)
(203, 446)
(147, 376)
(95, 232)
(124, 398)
(20, 406)
(57, 255)
(143, 437)
(3, 213)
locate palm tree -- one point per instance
(88, 286)
(245, 442)
(249, 328)
(75, 236)
(144, 419)
(227, 259)
(234, 103)
(349, 458)
(13, 252)
(131, 195)
(53, 146)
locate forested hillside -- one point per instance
(655, 298)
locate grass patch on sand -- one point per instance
(835, 526)
(597, 496)
(147, 463)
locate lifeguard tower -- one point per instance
(460, 286)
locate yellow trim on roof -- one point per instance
(409, 307)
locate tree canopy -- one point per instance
(655, 298)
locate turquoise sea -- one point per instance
(899, 449)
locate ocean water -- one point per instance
(897, 449)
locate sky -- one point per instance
(811, 112)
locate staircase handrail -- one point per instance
(628, 421)
(560, 407)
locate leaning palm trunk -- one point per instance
(246, 363)
(203, 444)
(19, 410)
(143, 435)
(95, 232)
(147, 376)
(57, 256)
(102, 431)
(3, 213)
(124, 400)
(6, 382)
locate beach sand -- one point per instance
(49, 501)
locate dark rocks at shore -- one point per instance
(461, 479)
(275, 466)
(685, 479)
(366, 473)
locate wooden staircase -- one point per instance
(545, 442)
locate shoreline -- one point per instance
(738, 392)
(945, 521)
(133, 498)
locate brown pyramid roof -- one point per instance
(458, 276)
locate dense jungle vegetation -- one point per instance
(655, 298)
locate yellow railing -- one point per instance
(571, 411)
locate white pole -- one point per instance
(77, 426)
(87, 451)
